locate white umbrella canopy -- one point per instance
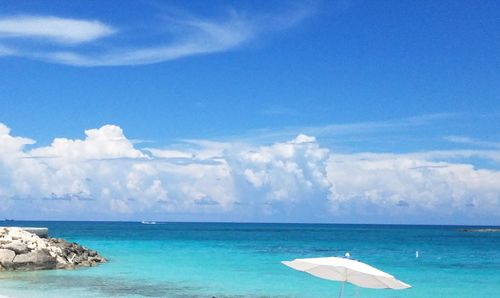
(347, 270)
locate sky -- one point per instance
(251, 111)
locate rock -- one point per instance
(485, 230)
(17, 247)
(22, 250)
(61, 260)
(97, 259)
(35, 260)
(71, 257)
(6, 257)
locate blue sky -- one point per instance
(411, 80)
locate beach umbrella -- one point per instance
(345, 269)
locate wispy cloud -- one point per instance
(456, 154)
(56, 29)
(374, 126)
(201, 37)
(5, 51)
(471, 141)
(346, 129)
(278, 110)
(187, 36)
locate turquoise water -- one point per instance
(243, 260)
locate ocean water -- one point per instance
(243, 260)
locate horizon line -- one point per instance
(249, 222)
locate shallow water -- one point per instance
(243, 260)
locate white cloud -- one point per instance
(187, 36)
(5, 51)
(105, 176)
(105, 173)
(341, 130)
(105, 142)
(11, 146)
(471, 141)
(402, 185)
(201, 37)
(62, 30)
(169, 153)
(289, 170)
(490, 155)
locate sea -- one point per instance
(181, 260)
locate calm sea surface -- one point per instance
(243, 260)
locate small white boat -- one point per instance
(144, 222)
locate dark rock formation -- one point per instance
(484, 230)
(22, 250)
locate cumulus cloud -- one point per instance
(287, 170)
(402, 185)
(11, 146)
(61, 30)
(105, 173)
(105, 142)
(104, 176)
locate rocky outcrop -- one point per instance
(22, 250)
(485, 230)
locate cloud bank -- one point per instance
(103, 176)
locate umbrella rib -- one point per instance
(381, 281)
(343, 274)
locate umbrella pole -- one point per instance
(341, 289)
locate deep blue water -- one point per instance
(243, 260)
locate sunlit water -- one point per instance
(243, 260)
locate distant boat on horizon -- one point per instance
(145, 222)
